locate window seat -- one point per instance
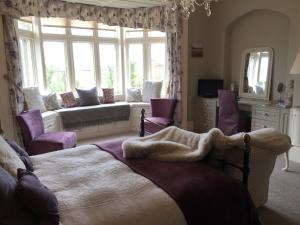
(99, 120)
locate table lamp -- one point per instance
(294, 71)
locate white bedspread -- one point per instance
(175, 144)
(93, 188)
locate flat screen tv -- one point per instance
(208, 88)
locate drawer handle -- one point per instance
(266, 114)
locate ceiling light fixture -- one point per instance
(189, 6)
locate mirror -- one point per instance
(256, 71)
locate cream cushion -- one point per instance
(9, 160)
(34, 98)
(151, 89)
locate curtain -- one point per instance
(14, 73)
(156, 18)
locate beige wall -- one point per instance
(229, 12)
(5, 111)
(259, 28)
(197, 67)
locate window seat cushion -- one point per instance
(78, 117)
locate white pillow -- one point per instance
(134, 95)
(34, 98)
(9, 160)
(151, 89)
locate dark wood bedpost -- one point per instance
(246, 167)
(142, 123)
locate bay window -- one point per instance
(82, 54)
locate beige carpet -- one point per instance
(283, 207)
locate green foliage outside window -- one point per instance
(135, 78)
(56, 80)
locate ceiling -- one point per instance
(121, 3)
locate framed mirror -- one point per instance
(256, 73)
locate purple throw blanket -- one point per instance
(204, 195)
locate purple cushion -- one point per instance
(31, 124)
(23, 155)
(36, 197)
(88, 97)
(11, 210)
(161, 121)
(163, 107)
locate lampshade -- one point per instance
(296, 67)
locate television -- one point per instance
(208, 88)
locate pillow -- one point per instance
(11, 210)
(9, 159)
(108, 95)
(51, 102)
(68, 100)
(88, 97)
(34, 98)
(23, 155)
(36, 197)
(151, 89)
(134, 95)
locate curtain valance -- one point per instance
(155, 18)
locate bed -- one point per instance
(96, 185)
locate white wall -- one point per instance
(259, 28)
(5, 110)
(228, 12)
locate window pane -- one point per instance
(108, 31)
(22, 25)
(134, 34)
(136, 71)
(55, 60)
(53, 30)
(158, 61)
(156, 34)
(27, 60)
(109, 68)
(84, 65)
(82, 32)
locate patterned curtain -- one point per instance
(14, 75)
(174, 49)
(156, 18)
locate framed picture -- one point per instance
(197, 49)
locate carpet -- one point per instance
(283, 206)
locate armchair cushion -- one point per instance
(52, 141)
(31, 124)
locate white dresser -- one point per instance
(263, 115)
(269, 116)
(206, 114)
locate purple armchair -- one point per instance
(162, 113)
(231, 120)
(35, 139)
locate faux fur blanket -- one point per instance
(175, 144)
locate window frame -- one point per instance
(120, 42)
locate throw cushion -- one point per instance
(34, 98)
(9, 159)
(51, 102)
(68, 100)
(151, 89)
(108, 95)
(88, 97)
(11, 210)
(36, 197)
(134, 95)
(23, 155)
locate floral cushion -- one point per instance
(108, 95)
(134, 95)
(68, 100)
(51, 102)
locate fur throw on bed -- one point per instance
(175, 144)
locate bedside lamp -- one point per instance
(294, 71)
